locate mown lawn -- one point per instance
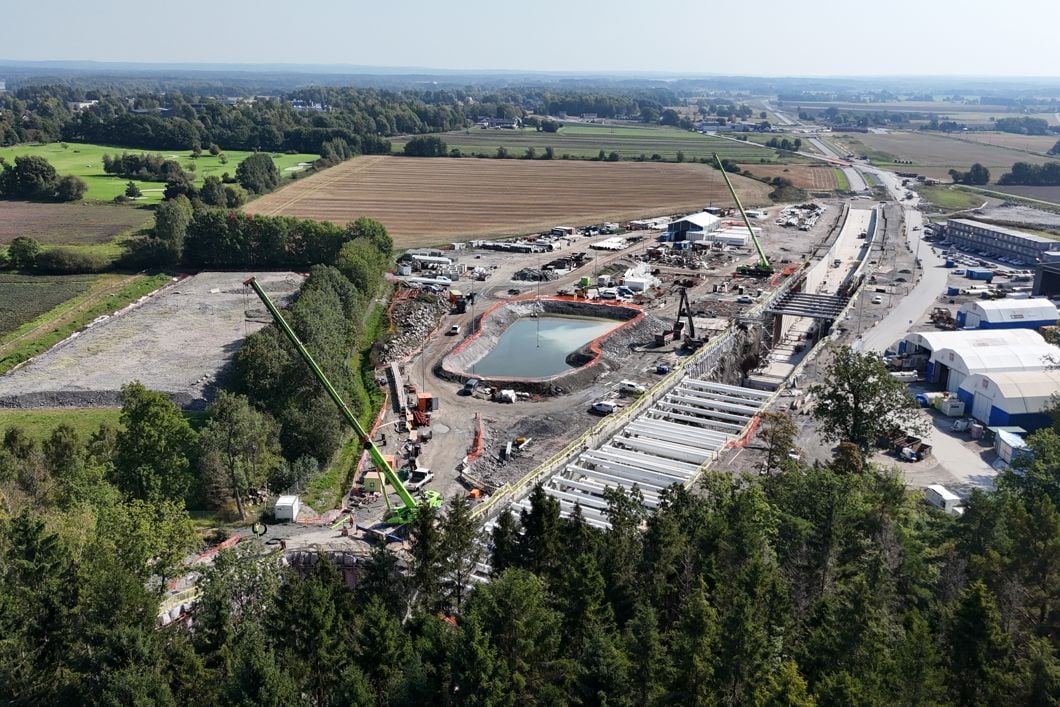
(86, 161)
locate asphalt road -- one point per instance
(931, 282)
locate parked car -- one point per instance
(745, 299)
(631, 387)
(454, 330)
(604, 407)
(469, 386)
(877, 300)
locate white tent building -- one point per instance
(1014, 398)
(1007, 314)
(955, 360)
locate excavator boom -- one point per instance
(764, 265)
(404, 514)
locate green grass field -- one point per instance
(841, 181)
(950, 197)
(630, 142)
(86, 161)
(39, 423)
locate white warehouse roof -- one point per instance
(1012, 310)
(701, 219)
(936, 340)
(1015, 392)
(968, 359)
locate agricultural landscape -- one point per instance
(410, 387)
(432, 201)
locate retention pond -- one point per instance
(537, 347)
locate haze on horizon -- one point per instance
(768, 38)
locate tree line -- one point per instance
(1037, 175)
(32, 178)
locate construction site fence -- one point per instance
(698, 364)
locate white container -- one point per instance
(287, 508)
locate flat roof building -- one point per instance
(1007, 314)
(998, 241)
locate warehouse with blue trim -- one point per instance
(1007, 314)
(1011, 398)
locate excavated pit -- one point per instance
(543, 344)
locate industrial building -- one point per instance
(948, 357)
(693, 227)
(998, 241)
(1013, 398)
(1007, 314)
(1047, 280)
(705, 227)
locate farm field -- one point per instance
(424, 201)
(586, 141)
(1039, 144)
(53, 224)
(1050, 194)
(26, 297)
(86, 161)
(931, 155)
(809, 177)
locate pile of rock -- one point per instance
(413, 320)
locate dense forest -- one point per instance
(823, 585)
(300, 121)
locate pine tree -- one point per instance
(979, 649)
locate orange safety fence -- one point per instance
(476, 446)
(207, 554)
(745, 439)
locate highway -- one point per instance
(857, 182)
(915, 305)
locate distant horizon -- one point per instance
(399, 70)
(772, 38)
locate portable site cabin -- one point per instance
(1007, 314)
(287, 508)
(942, 498)
(1009, 446)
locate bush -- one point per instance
(426, 146)
(67, 261)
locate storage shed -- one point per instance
(950, 366)
(287, 508)
(1007, 314)
(1010, 398)
(692, 227)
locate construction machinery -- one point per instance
(763, 268)
(410, 505)
(684, 309)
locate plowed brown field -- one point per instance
(812, 178)
(425, 201)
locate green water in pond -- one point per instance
(538, 347)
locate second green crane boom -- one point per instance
(764, 268)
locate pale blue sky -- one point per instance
(768, 37)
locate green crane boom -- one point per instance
(764, 267)
(408, 511)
